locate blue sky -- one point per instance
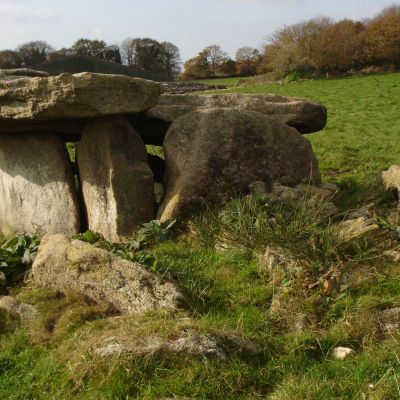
(190, 24)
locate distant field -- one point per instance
(363, 130)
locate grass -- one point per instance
(284, 311)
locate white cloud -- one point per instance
(23, 11)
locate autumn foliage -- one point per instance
(316, 46)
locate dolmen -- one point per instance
(214, 146)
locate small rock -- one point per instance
(391, 178)
(312, 191)
(366, 211)
(277, 257)
(390, 320)
(392, 255)
(259, 188)
(331, 187)
(286, 192)
(341, 353)
(25, 312)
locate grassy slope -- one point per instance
(229, 291)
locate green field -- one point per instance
(231, 292)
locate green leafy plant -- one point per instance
(16, 257)
(156, 231)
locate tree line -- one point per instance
(319, 45)
(141, 54)
(316, 46)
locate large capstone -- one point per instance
(78, 267)
(37, 191)
(85, 95)
(117, 182)
(305, 116)
(214, 154)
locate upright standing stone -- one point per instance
(215, 154)
(117, 182)
(36, 185)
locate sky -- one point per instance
(189, 24)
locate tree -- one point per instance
(60, 54)
(89, 48)
(215, 57)
(382, 37)
(197, 67)
(34, 52)
(113, 54)
(170, 59)
(247, 61)
(341, 47)
(227, 67)
(9, 59)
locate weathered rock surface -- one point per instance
(84, 95)
(391, 178)
(216, 153)
(341, 353)
(17, 73)
(101, 276)
(117, 182)
(36, 185)
(25, 312)
(303, 115)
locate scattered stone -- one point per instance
(275, 257)
(37, 189)
(84, 95)
(355, 228)
(367, 211)
(392, 255)
(186, 342)
(286, 192)
(79, 267)
(259, 188)
(303, 115)
(341, 353)
(205, 167)
(25, 312)
(331, 187)
(391, 178)
(390, 320)
(313, 191)
(117, 182)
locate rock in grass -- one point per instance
(84, 95)
(117, 182)
(214, 154)
(25, 312)
(305, 116)
(391, 178)
(37, 190)
(341, 353)
(78, 267)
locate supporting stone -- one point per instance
(117, 182)
(37, 190)
(215, 154)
